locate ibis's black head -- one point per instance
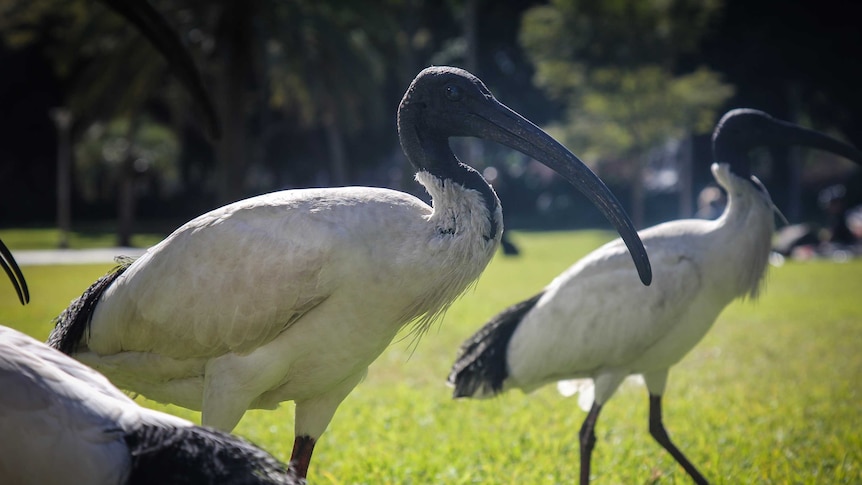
(741, 130)
(444, 102)
(10, 266)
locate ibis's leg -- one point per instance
(656, 429)
(587, 437)
(303, 446)
(312, 418)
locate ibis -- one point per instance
(63, 422)
(10, 266)
(576, 328)
(289, 296)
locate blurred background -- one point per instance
(94, 131)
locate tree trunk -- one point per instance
(126, 195)
(684, 166)
(475, 152)
(638, 195)
(468, 24)
(337, 155)
(63, 119)
(234, 38)
(794, 158)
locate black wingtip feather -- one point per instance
(69, 326)
(200, 455)
(481, 368)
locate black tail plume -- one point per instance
(70, 326)
(480, 368)
(200, 455)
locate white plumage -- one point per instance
(698, 270)
(273, 324)
(291, 295)
(62, 422)
(591, 322)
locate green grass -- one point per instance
(84, 237)
(771, 395)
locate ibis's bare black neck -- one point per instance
(431, 153)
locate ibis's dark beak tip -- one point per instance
(641, 260)
(10, 267)
(645, 274)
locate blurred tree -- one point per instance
(797, 61)
(122, 158)
(612, 64)
(107, 68)
(325, 65)
(269, 63)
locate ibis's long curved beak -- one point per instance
(495, 121)
(14, 273)
(741, 130)
(789, 134)
(154, 27)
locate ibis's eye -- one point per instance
(453, 92)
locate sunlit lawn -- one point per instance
(771, 395)
(94, 236)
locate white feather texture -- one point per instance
(596, 321)
(287, 296)
(585, 389)
(61, 422)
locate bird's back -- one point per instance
(233, 279)
(277, 281)
(597, 316)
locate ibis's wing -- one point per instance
(234, 278)
(597, 315)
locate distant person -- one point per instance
(805, 241)
(833, 201)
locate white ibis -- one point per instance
(291, 295)
(10, 266)
(62, 422)
(577, 328)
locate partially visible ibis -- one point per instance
(291, 295)
(594, 322)
(64, 423)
